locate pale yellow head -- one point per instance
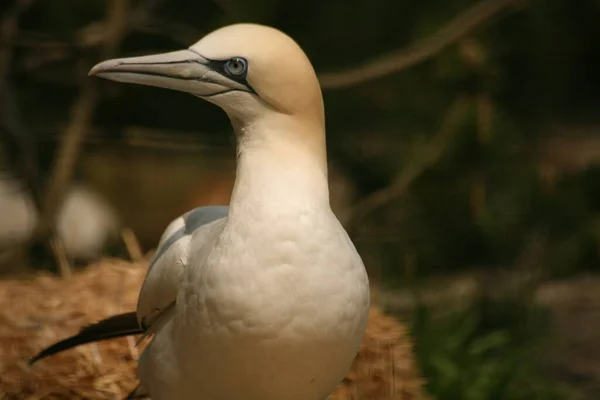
(251, 71)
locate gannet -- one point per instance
(266, 299)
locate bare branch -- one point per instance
(419, 51)
(9, 26)
(132, 244)
(48, 49)
(102, 32)
(10, 116)
(66, 156)
(419, 164)
(81, 116)
(141, 136)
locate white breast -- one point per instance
(276, 314)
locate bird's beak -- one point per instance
(183, 70)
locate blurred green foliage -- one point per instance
(491, 351)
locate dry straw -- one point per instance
(40, 310)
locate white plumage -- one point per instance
(266, 299)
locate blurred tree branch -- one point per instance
(13, 129)
(96, 34)
(103, 32)
(419, 51)
(21, 150)
(9, 27)
(81, 116)
(414, 168)
(142, 19)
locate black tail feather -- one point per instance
(109, 328)
(137, 393)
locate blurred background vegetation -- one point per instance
(463, 137)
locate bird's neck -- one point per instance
(280, 171)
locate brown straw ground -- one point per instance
(36, 312)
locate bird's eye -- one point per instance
(236, 66)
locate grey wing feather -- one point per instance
(185, 225)
(160, 286)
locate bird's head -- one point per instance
(250, 71)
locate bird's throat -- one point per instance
(275, 174)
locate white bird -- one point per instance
(266, 299)
(85, 222)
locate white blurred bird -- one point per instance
(266, 299)
(85, 222)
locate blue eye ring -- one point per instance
(236, 67)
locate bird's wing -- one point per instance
(159, 290)
(157, 296)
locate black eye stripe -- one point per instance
(220, 67)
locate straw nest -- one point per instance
(36, 312)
